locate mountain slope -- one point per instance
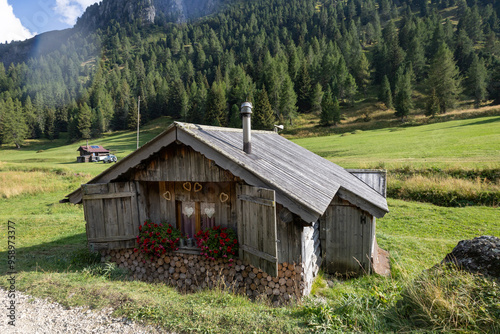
(102, 14)
(285, 53)
(147, 11)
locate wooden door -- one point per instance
(347, 234)
(111, 214)
(257, 236)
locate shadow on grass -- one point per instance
(485, 121)
(481, 122)
(54, 256)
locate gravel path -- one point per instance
(35, 315)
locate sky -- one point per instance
(22, 19)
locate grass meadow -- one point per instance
(52, 260)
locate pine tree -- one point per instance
(336, 111)
(362, 72)
(403, 90)
(316, 97)
(234, 117)
(327, 108)
(432, 106)
(216, 113)
(30, 117)
(178, 101)
(84, 121)
(386, 93)
(13, 128)
(350, 89)
(263, 117)
(476, 80)
(50, 124)
(304, 89)
(288, 101)
(98, 123)
(444, 78)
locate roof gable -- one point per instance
(304, 182)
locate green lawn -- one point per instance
(471, 143)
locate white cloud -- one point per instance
(70, 10)
(11, 28)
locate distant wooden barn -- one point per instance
(89, 153)
(287, 204)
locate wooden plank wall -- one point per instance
(289, 229)
(112, 214)
(311, 254)
(346, 235)
(178, 162)
(156, 206)
(375, 178)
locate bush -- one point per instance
(218, 242)
(436, 187)
(156, 239)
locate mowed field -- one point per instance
(52, 262)
(471, 143)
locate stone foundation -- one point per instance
(191, 273)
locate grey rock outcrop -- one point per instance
(99, 14)
(479, 255)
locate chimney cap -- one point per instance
(246, 108)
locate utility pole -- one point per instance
(138, 119)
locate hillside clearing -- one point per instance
(471, 143)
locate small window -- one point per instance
(207, 215)
(195, 216)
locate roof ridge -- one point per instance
(185, 125)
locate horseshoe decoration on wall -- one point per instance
(186, 186)
(166, 195)
(197, 187)
(223, 197)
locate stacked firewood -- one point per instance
(190, 273)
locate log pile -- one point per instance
(190, 273)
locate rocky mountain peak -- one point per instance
(147, 11)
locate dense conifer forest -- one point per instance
(286, 56)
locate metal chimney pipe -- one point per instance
(246, 114)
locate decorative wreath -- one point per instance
(223, 197)
(186, 186)
(197, 187)
(166, 195)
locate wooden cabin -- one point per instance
(287, 204)
(89, 153)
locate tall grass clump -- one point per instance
(447, 299)
(445, 190)
(19, 182)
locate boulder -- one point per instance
(479, 255)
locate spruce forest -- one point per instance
(285, 56)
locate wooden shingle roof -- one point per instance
(304, 182)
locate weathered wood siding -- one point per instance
(111, 214)
(158, 200)
(347, 234)
(289, 229)
(179, 162)
(257, 235)
(375, 178)
(311, 254)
